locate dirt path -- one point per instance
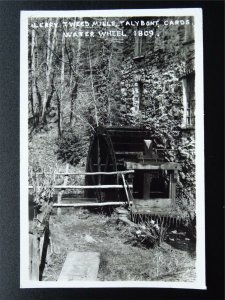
(120, 258)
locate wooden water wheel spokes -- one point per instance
(101, 158)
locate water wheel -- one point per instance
(109, 148)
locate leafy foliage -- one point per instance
(43, 191)
(149, 234)
(145, 233)
(71, 147)
(187, 210)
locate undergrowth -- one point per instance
(120, 259)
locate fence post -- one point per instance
(35, 274)
(62, 191)
(126, 191)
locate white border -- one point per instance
(25, 282)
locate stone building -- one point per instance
(158, 89)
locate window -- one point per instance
(188, 84)
(140, 94)
(138, 99)
(189, 33)
(138, 46)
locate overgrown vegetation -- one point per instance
(42, 192)
(149, 234)
(120, 259)
(72, 148)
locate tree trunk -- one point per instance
(34, 93)
(74, 87)
(59, 114)
(73, 97)
(92, 87)
(49, 88)
(62, 78)
(108, 90)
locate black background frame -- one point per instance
(213, 33)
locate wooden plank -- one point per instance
(125, 187)
(159, 203)
(96, 204)
(110, 186)
(122, 143)
(93, 173)
(152, 166)
(154, 212)
(80, 266)
(128, 133)
(35, 258)
(129, 153)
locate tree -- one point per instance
(73, 80)
(35, 98)
(49, 88)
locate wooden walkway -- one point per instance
(80, 266)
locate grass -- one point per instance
(120, 260)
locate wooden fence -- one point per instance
(39, 237)
(38, 242)
(64, 186)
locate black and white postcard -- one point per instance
(112, 149)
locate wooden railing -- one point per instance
(65, 186)
(39, 237)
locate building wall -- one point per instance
(153, 88)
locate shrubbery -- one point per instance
(42, 192)
(149, 234)
(71, 147)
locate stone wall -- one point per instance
(152, 92)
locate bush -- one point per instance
(185, 207)
(42, 192)
(71, 148)
(150, 234)
(146, 234)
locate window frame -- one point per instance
(188, 120)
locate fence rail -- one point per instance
(108, 186)
(61, 188)
(88, 173)
(99, 186)
(94, 204)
